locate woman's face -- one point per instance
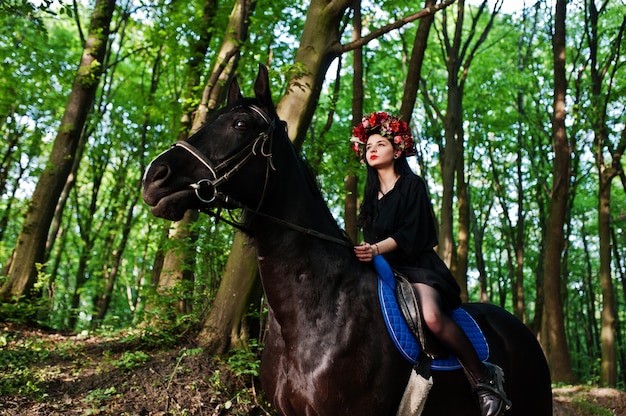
(379, 152)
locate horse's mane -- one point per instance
(310, 179)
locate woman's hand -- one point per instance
(366, 251)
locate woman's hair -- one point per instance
(369, 208)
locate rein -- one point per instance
(309, 231)
(261, 145)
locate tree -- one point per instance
(176, 265)
(457, 55)
(30, 248)
(302, 94)
(555, 343)
(607, 172)
(352, 180)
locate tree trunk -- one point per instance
(537, 325)
(414, 72)
(463, 233)
(178, 262)
(519, 301)
(31, 244)
(227, 59)
(591, 332)
(317, 36)
(459, 54)
(223, 328)
(606, 173)
(448, 169)
(195, 65)
(556, 342)
(87, 236)
(524, 52)
(103, 299)
(608, 371)
(319, 45)
(621, 272)
(352, 181)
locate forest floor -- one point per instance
(47, 373)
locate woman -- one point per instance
(397, 221)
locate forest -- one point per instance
(518, 110)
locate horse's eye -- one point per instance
(240, 125)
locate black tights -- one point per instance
(448, 332)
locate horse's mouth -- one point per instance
(173, 206)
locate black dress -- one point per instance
(405, 214)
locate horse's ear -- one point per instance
(262, 89)
(234, 93)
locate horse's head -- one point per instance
(213, 167)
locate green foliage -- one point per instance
(245, 361)
(95, 400)
(131, 360)
(18, 376)
(24, 312)
(20, 361)
(161, 336)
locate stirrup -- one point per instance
(492, 399)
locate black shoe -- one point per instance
(491, 396)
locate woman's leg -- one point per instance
(486, 379)
(447, 331)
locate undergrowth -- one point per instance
(143, 372)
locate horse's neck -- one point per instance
(295, 200)
(293, 264)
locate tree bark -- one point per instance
(224, 327)
(319, 45)
(31, 244)
(608, 373)
(556, 342)
(178, 262)
(317, 48)
(414, 72)
(606, 173)
(524, 52)
(352, 181)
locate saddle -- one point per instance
(406, 326)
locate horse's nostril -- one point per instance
(160, 173)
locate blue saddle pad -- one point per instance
(399, 331)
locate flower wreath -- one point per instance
(397, 131)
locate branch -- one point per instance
(395, 25)
(483, 36)
(83, 41)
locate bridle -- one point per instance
(222, 172)
(261, 145)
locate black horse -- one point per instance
(327, 349)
